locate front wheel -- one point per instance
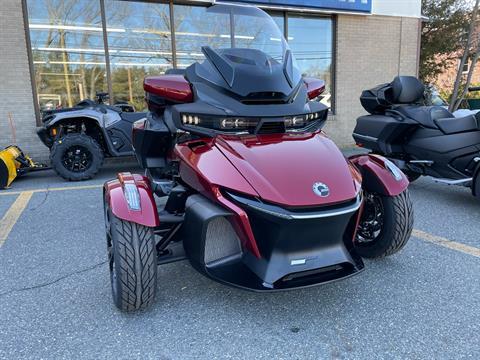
(132, 258)
(385, 226)
(76, 157)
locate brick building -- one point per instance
(446, 80)
(58, 52)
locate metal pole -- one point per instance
(172, 35)
(107, 54)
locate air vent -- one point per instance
(265, 98)
(274, 127)
(221, 240)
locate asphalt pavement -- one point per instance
(55, 301)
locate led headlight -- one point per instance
(219, 123)
(299, 122)
(243, 125)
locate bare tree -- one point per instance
(457, 97)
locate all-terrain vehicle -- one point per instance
(241, 180)
(419, 139)
(79, 138)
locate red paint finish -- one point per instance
(114, 196)
(282, 168)
(241, 225)
(315, 87)
(202, 166)
(171, 87)
(205, 169)
(374, 165)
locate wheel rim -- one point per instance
(111, 257)
(371, 223)
(77, 158)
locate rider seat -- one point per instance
(408, 90)
(133, 116)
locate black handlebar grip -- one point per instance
(474, 88)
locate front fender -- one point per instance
(379, 175)
(90, 114)
(131, 199)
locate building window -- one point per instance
(311, 41)
(139, 45)
(70, 62)
(67, 51)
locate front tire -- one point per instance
(76, 157)
(132, 257)
(385, 226)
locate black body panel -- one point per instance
(427, 140)
(294, 253)
(152, 143)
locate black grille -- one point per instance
(265, 98)
(315, 276)
(274, 127)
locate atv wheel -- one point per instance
(76, 157)
(385, 225)
(132, 258)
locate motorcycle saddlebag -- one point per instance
(379, 132)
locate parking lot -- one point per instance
(422, 303)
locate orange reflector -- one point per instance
(54, 131)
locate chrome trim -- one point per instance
(288, 215)
(365, 137)
(477, 159)
(428, 162)
(453, 182)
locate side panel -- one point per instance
(377, 177)
(381, 133)
(114, 194)
(204, 168)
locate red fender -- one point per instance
(144, 211)
(378, 175)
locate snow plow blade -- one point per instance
(14, 163)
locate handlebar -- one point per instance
(473, 88)
(102, 97)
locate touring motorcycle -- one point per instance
(420, 140)
(241, 180)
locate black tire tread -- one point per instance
(394, 240)
(403, 227)
(77, 138)
(136, 256)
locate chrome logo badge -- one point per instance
(321, 189)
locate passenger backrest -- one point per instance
(407, 90)
(402, 90)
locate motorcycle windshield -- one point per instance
(248, 46)
(251, 28)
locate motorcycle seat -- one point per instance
(425, 115)
(133, 116)
(458, 125)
